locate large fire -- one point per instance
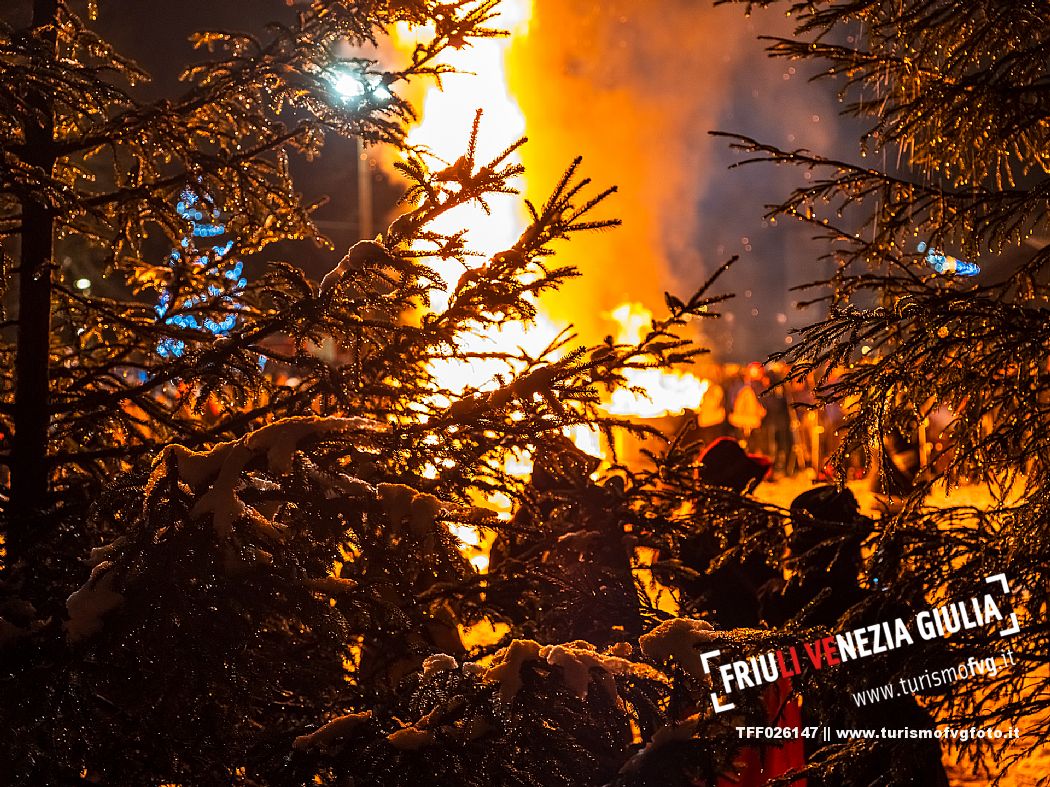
(446, 113)
(446, 110)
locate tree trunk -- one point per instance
(29, 469)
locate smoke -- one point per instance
(634, 86)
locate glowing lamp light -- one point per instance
(347, 85)
(353, 85)
(82, 284)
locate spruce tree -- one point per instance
(935, 326)
(216, 577)
(93, 170)
(212, 576)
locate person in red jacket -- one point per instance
(735, 594)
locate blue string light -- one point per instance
(202, 225)
(948, 265)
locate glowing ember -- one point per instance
(662, 392)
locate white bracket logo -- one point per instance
(1016, 625)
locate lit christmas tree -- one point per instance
(214, 311)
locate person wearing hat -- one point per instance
(824, 589)
(736, 593)
(827, 532)
(725, 463)
(731, 593)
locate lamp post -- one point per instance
(357, 86)
(364, 192)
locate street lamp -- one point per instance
(354, 84)
(357, 86)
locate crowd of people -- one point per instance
(816, 578)
(777, 416)
(768, 415)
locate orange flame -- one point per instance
(662, 391)
(481, 84)
(446, 110)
